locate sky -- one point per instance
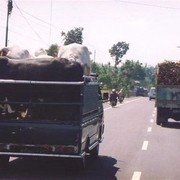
(150, 27)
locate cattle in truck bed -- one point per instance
(57, 69)
(15, 52)
(78, 53)
(17, 98)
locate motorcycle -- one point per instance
(121, 99)
(113, 98)
(113, 103)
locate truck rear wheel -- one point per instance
(81, 163)
(94, 153)
(4, 161)
(162, 117)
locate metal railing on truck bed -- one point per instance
(40, 100)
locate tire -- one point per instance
(4, 162)
(120, 101)
(94, 153)
(84, 162)
(158, 117)
(162, 116)
(164, 124)
(81, 164)
(113, 103)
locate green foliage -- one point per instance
(73, 36)
(96, 68)
(131, 72)
(150, 77)
(53, 50)
(125, 77)
(105, 74)
(118, 51)
(133, 69)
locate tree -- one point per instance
(104, 73)
(53, 50)
(150, 76)
(118, 51)
(130, 73)
(73, 36)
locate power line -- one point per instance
(18, 33)
(22, 27)
(40, 19)
(27, 21)
(44, 23)
(150, 5)
(29, 24)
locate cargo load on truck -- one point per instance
(168, 73)
(168, 91)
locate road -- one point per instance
(143, 150)
(134, 148)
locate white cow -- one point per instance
(4, 51)
(76, 52)
(41, 53)
(15, 52)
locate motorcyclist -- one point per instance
(121, 95)
(113, 96)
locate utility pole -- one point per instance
(94, 55)
(9, 10)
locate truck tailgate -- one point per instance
(34, 133)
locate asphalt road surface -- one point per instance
(134, 148)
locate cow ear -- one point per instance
(3, 61)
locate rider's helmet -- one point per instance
(113, 90)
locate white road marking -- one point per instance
(136, 175)
(12, 159)
(132, 100)
(152, 120)
(153, 115)
(145, 145)
(149, 129)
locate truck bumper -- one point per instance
(15, 154)
(17, 150)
